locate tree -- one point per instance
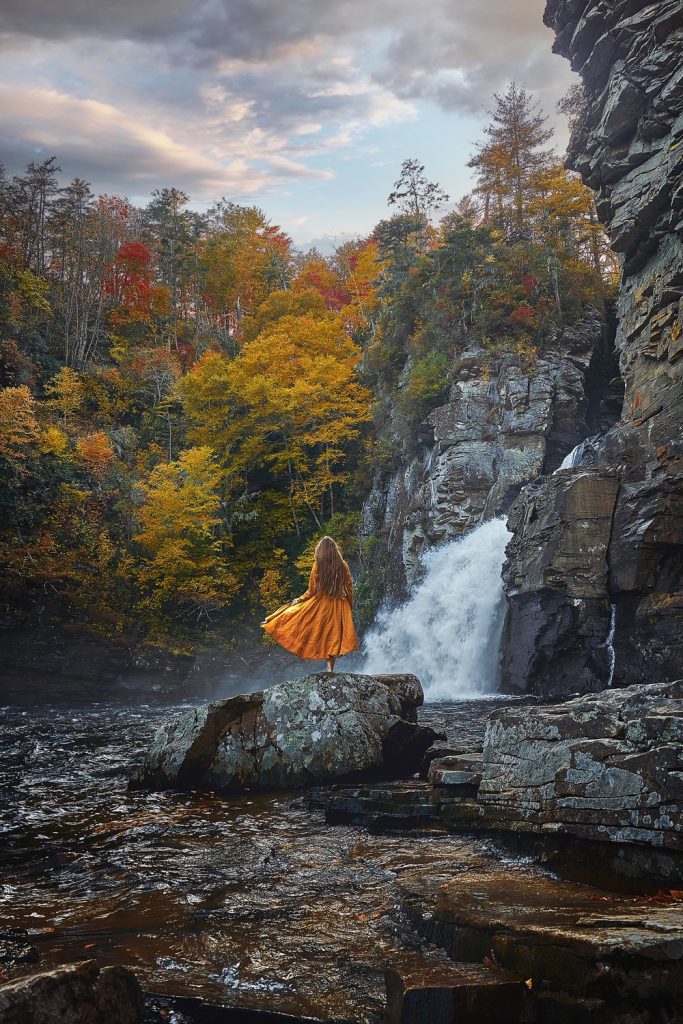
(241, 259)
(282, 413)
(140, 304)
(175, 231)
(573, 105)
(506, 163)
(65, 393)
(413, 194)
(94, 452)
(183, 561)
(19, 430)
(74, 272)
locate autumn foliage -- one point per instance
(187, 401)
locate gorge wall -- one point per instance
(504, 424)
(594, 577)
(594, 574)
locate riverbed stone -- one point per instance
(81, 993)
(318, 728)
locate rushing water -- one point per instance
(448, 632)
(250, 901)
(584, 454)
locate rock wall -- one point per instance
(502, 426)
(627, 579)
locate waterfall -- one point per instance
(609, 644)
(448, 632)
(583, 454)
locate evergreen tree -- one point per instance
(507, 162)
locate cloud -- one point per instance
(242, 96)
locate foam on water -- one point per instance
(448, 632)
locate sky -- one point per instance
(306, 108)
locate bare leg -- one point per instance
(330, 663)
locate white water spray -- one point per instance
(448, 632)
(583, 451)
(609, 644)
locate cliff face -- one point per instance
(501, 427)
(594, 577)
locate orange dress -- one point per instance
(318, 626)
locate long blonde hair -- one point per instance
(331, 575)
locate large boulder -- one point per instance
(322, 727)
(607, 766)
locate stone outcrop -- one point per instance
(78, 994)
(629, 148)
(604, 766)
(321, 727)
(502, 426)
(449, 992)
(557, 632)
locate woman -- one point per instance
(319, 625)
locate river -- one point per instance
(250, 901)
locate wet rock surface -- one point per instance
(320, 727)
(443, 993)
(556, 637)
(255, 903)
(628, 148)
(77, 994)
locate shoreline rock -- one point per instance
(321, 727)
(81, 992)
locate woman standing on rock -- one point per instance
(318, 625)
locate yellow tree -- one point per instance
(564, 211)
(66, 393)
(183, 564)
(19, 430)
(283, 412)
(242, 258)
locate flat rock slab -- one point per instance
(78, 994)
(447, 992)
(319, 728)
(460, 773)
(601, 956)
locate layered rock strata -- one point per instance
(321, 727)
(629, 148)
(603, 767)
